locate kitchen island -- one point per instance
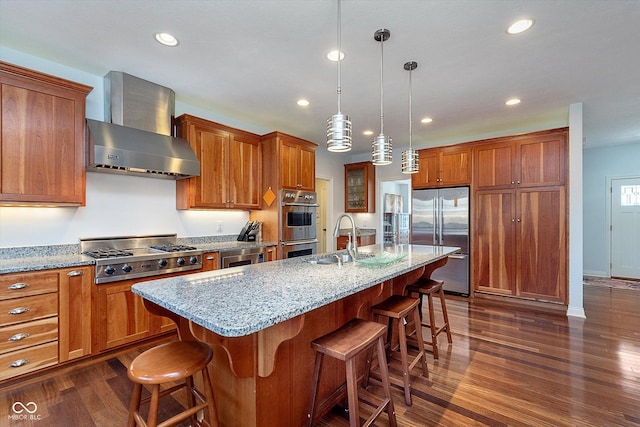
(260, 320)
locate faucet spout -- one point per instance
(352, 246)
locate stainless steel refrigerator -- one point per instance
(441, 217)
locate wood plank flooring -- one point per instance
(506, 367)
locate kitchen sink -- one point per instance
(332, 259)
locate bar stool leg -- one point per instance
(432, 326)
(213, 411)
(445, 315)
(314, 389)
(416, 321)
(135, 404)
(152, 421)
(402, 337)
(384, 371)
(352, 392)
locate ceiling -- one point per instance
(251, 60)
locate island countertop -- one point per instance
(240, 301)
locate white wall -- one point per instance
(600, 164)
(116, 205)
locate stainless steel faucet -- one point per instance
(352, 246)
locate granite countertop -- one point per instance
(242, 300)
(359, 231)
(34, 258)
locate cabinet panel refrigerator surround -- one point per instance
(136, 136)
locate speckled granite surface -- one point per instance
(33, 258)
(242, 300)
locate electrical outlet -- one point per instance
(219, 228)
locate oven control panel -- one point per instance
(115, 270)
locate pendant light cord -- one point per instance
(339, 53)
(410, 106)
(381, 85)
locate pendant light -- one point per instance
(339, 125)
(381, 147)
(410, 156)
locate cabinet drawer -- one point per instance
(22, 335)
(30, 359)
(26, 284)
(28, 308)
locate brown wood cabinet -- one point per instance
(42, 150)
(271, 253)
(28, 322)
(210, 261)
(230, 167)
(369, 239)
(360, 187)
(75, 312)
(525, 161)
(520, 217)
(290, 162)
(444, 166)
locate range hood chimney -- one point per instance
(136, 136)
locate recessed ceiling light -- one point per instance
(426, 120)
(302, 102)
(512, 101)
(520, 26)
(166, 39)
(367, 132)
(333, 56)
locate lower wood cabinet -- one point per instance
(369, 239)
(271, 253)
(210, 261)
(520, 244)
(75, 312)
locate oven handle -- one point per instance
(299, 242)
(311, 205)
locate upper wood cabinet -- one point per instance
(42, 149)
(360, 187)
(443, 166)
(527, 161)
(230, 166)
(290, 162)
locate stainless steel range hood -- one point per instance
(135, 138)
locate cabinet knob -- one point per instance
(518, 219)
(18, 310)
(19, 337)
(211, 258)
(75, 273)
(16, 286)
(513, 182)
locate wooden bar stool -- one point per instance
(430, 287)
(397, 309)
(174, 361)
(346, 343)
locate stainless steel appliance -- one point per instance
(396, 228)
(298, 216)
(121, 258)
(241, 256)
(441, 217)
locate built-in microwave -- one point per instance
(298, 212)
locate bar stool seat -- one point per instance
(345, 344)
(431, 287)
(398, 309)
(174, 361)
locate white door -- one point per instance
(321, 216)
(625, 228)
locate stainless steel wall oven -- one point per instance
(298, 216)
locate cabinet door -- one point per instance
(359, 190)
(210, 261)
(428, 169)
(213, 152)
(455, 167)
(121, 317)
(245, 172)
(542, 237)
(307, 169)
(541, 161)
(289, 165)
(42, 150)
(271, 253)
(75, 312)
(494, 256)
(493, 166)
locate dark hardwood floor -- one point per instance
(506, 367)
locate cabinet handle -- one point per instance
(75, 273)
(19, 310)
(19, 285)
(18, 363)
(270, 250)
(518, 182)
(513, 182)
(211, 258)
(19, 337)
(518, 219)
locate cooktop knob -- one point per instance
(193, 260)
(162, 263)
(127, 268)
(180, 261)
(109, 270)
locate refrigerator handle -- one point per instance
(435, 221)
(440, 220)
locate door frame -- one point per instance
(609, 215)
(326, 211)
